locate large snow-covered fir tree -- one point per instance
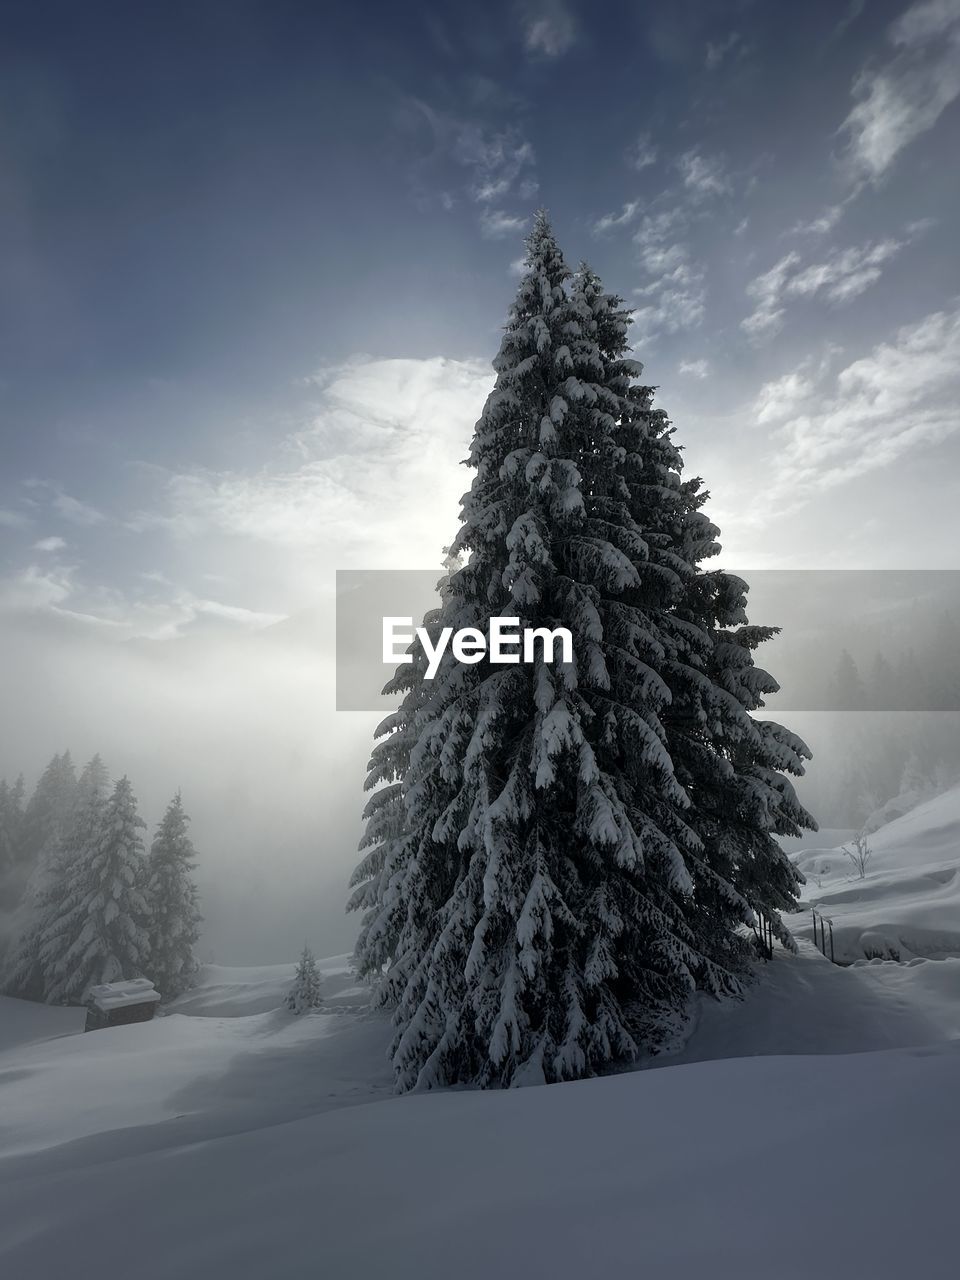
(99, 931)
(305, 994)
(173, 904)
(730, 764)
(529, 876)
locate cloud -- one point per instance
(495, 224)
(782, 397)
(694, 368)
(897, 102)
(75, 511)
(704, 175)
(765, 291)
(899, 398)
(676, 291)
(716, 53)
(822, 224)
(370, 478)
(609, 221)
(550, 28)
(481, 161)
(50, 544)
(846, 274)
(33, 588)
(643, 153)
(496, 159)
(348, 489)
(854, 10)
(12, 519)
(67, 507)
(841, 277)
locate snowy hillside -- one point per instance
(23, 1022)
(216, 1143)
(908, 904)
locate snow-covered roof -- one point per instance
(118, 995)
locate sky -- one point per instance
(254, 259)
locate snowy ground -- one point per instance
(908, 904)
(810, 1129)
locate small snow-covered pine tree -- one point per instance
(173, 904)
(100, 930)
(305, 993)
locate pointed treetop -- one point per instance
(543, 254)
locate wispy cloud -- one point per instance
(495, 224)
(495, 159)
(900, 397)
(65, 505)
(273, 536)
(472, 159)
(854, 10)
(839, 278)
(34, 588)
(550, 27)
(783, 396)
(846, 274)
(75, 511)
(12, 519)
(704, 175)
(642, 153)
(903, 98)
(822, 224)
(694, 368)
(611, 221)
(374, 431)
(720, 50)
(676, 290)
(766, 292)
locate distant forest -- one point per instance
(82, 900)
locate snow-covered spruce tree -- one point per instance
(11, 840)
(387, 838)
(49, 811)
(730, 764)
(305, 994)
(527, 880)
(100, 932)
(50, 926)
(173, 904)
(48, 823)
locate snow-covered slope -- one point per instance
(199, 1075)
(223, 991)
(227, 1146)
(908, 904)
(25, 1022)
(834, 1166)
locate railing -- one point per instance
(821, 944)
(763, 932)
